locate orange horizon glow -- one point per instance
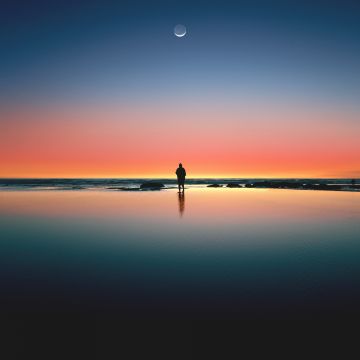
(169, 176)
(124, 142)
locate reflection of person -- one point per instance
(181, 203)
(181, 174)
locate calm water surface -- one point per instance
(217, 250)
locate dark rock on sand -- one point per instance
(278, 185)
(300, 186)
(152, 185)
(70, 188)
(122, 188)
(214, 185)
(233, 185)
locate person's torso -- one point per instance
(180, 172)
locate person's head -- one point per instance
(180, 165)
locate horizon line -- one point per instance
(174, 178)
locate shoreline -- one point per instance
(348, 185)
(137, 189)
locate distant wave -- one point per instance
(108, 184)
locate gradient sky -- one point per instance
(255, 88)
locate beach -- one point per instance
(210, 250)
(83, 271)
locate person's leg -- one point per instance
(179, 186)
(183, 186)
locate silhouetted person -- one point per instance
(181, 174)
(181, 203)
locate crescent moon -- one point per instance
(180, 30)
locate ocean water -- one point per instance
(113, 184)
(218, 251)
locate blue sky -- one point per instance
(125, 51)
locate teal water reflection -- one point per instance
(226, 250)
